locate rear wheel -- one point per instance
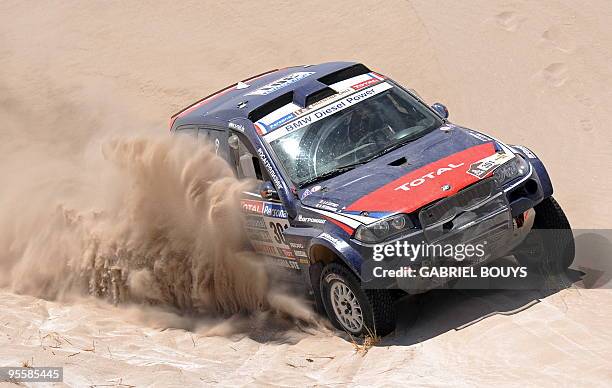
(549, 247)
(352, 309)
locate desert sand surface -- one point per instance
(531, 73)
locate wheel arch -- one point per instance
(324, 252)
(321, 253)
(538, 166)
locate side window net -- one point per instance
(248, 164)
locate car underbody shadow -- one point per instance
(425, 316)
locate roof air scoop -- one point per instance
(310, 93)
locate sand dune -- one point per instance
(561, 340)
(533, 73)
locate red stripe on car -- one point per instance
(436, 180)
(344, 227)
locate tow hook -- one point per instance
(519, 220)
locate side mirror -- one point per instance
(233, 141)
(440, 110)
(267, 191)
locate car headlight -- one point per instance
(512, 169)
(384, 229)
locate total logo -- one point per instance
(432, 175)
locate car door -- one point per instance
(266, 219)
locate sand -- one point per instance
(533, 73)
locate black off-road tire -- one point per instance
(377, 306)
(549, 248)
(315, 275)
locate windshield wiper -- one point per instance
(329, 174)
(392, 147)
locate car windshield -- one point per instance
(353, 135)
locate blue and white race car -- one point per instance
(349, 161)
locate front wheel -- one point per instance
(352, 309)
(549, 247)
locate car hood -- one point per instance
(429, 168)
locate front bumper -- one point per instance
(494, 219)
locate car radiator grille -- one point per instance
(448, 208)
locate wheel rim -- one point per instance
(346, 307)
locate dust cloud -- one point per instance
(92, 205)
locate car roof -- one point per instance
(243, 99)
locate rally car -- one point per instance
(348, 160)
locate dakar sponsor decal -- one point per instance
(301, 218)
(274, 210)
(259, 235)
(265, 248)
(286, 253)
(268, 166)
(423, 185)
(291, 264)
(280, 83)
(281, 121)
(251, 206)
(238, 127)
(431, 175)
(300, 253)
(356, 83)
(296, 245)
(335, 241)
(483, 167)
(328, 110)
(307, 192)
(327, 205)
(365, 84)
(330, 238)
(255, 222)
(526, 151)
